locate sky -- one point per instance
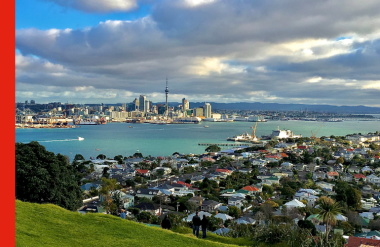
(279, 51)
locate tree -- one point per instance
(212, 148)
(188, 181)
(287, 191)
(339, 160)
(137, 155)
(160, 173)
(78, 157)
(272, 203)
(130, 183)
(119, 159)
(105, 173)
(234, 211)
(327, 212)
(267, 189)
(43, 177)
(109, 186)
(308, 225)
(101, 156)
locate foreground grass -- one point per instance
(50, 225)
(215, 238)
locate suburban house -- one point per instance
(319, 175)
(250, 189)
(332, 175)
(373, 179)
(148, 193)
(357, 177)
(210, 205)
(236, 201)
(197, 200)
(145, 173)
(149, 207)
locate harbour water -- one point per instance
(113, 139)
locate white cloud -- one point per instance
(98, 5)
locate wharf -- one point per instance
(225, 144)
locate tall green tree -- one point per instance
(110, 201)
(43, 177)
(327, 212)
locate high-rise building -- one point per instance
(26, 102)
(32, 102)
(137, 104)
(207, 110)
(166, 92)
(142, 103)
(185, 104)
(124, 106)
(198, 112)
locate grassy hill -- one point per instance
(50, 225)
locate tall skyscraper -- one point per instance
(185, 104)
(124, 106)
(142, 103)
(166, 92)
(137, 104)
(207, 110)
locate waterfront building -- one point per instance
(207, 110)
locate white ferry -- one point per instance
(281, 134)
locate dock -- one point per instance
(225, 144)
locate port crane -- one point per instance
(314, 134)
(254, 138)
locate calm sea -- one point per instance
(161, 140)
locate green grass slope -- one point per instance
(50, 225)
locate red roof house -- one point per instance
(143, 172)
(224, 171)
(250, 188)
(358, 242)
(359, 176)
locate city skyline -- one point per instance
(214, 50)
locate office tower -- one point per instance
(207, 110)
(142, 103)
(198, 112)
(124, 106)
(185, 104)
(137, 104)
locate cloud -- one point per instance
(100, 6)
(271, 51)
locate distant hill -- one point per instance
(290, 107)
(49, 225)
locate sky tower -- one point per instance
(166, 92)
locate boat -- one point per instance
(80, 138)
(243, 137)
(281, 134)
(97, 149)
(206, 126)
(130, 127)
